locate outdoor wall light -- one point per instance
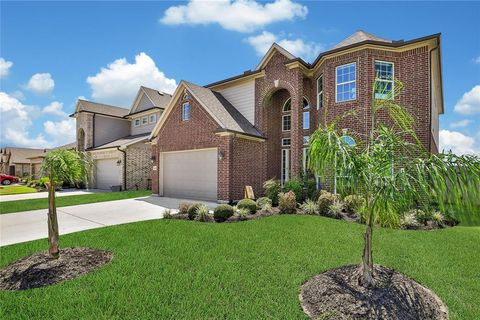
(221, 155)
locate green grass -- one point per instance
(172, 269)
(16, 190)
(34, 204)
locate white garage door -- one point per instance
(108, 173)
(190, 174)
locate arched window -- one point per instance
(81, 140)
(286, 116)
(306, 114)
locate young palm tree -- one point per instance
(60, 166)
(391, 169)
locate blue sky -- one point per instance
(51, 53)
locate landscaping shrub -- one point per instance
(247, 204)
(310, 186)
(421, 216)
(272, 188)
(202, 213)
(243, 213)
(287, 202)
(264, 203)
(183, 207)
(335, 209)
(43, 182)
(309, 207)
(222, 212)
(352, 203)
(192, 210)
(295, 185)
(409, 221)
(438, 217)
(325, 200)
(167, 214)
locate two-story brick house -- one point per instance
(116, 138)
(214, 140)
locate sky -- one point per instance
(52, 53)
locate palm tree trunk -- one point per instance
(367, 259)
(52, 222)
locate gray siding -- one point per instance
(144, 103)
(145, 128)
(242, 97)
(108, 129)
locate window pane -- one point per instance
(306, 120)
(286, 123)
(305, 104)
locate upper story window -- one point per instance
(286, 142)
(346, 82)
(384, 74)
(186, 111)
(320, 91)
(306, 114)
(153, 118)
(136, 123)
(144, 120)
(287, 117)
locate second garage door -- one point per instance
(108, 173)
(190, 174)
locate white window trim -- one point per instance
(283, 128)
(383, 80)
(286, 153)
(287, 114)
(337, 84)
(135, 122)
(183, 111)
(150, 118)
(146, 121)
(319, 92)
(286, 145)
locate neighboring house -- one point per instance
(116, 138)
(214, 140)
(21, 162)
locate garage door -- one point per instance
(190, 174)
(108, 173)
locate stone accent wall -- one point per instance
(139, 166)
(85, 121)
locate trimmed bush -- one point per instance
(309, 207)
(325, 200)
(183, 207)
(335, 209)
(243, 214)
(264, 203)
(409, 221)
(272, 188)
(353, 203)
(247, 204)
(310, 186)
(202, 213)
(287, 202)
(222, 212)
(296, 186)
(192, 210)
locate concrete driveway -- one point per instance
(32, 225)
(44, 194)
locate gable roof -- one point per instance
(223, 112)
(360, 36)
(100, 108)
(158, 98)
(22, 155)
(275, 47)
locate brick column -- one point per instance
(296, 131)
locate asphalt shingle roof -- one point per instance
(22, 155)
(159, 99)
(360, 36)
(227, 116)
(128, 140)
(94, 107)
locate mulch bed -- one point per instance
(40, 270)
(336, 294)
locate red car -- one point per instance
(5, 179)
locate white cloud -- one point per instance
(470, 102)
(118, 83)
(5, 67)
(55, 108)
(236, 15)
(17, 95)
(40, 83)
(16, 120)
(461, 124)
(306, 50)
(457, 142)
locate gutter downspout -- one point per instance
(93, 131)
(124, 182)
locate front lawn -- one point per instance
(16, 190)
(172, 269)
(34, 204)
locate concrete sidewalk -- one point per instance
(32, 225)
(44, 194)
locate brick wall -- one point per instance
(139, 166)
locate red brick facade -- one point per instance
(251, 162)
